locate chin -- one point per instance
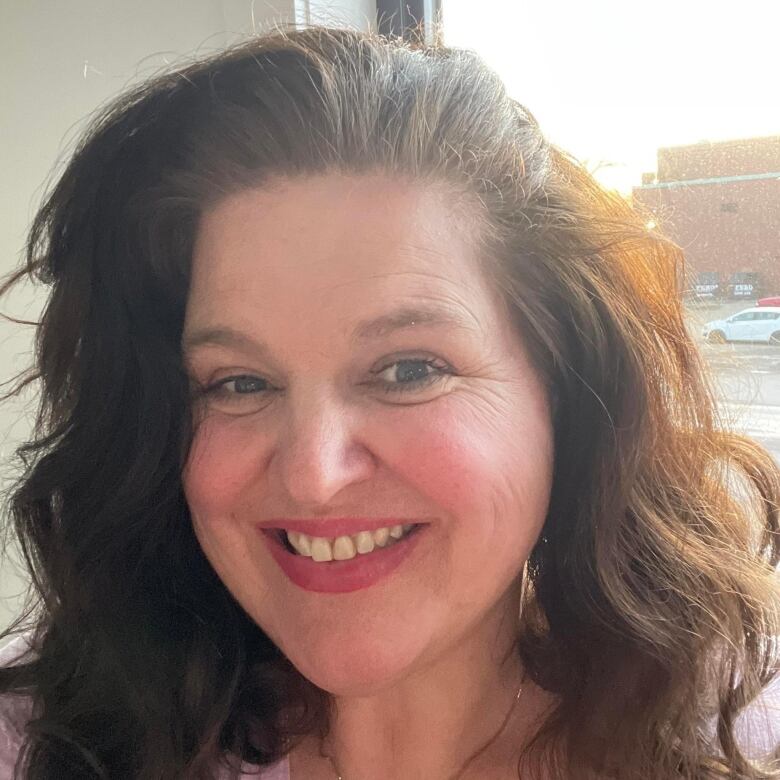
(344, 668)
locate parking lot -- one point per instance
(747, 377)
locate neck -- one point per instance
(430, 724)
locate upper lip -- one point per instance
(335, 526)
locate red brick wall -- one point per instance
(745, 239)
(723, 158)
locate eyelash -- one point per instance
(440, 370)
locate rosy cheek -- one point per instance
(458, 461)
(225, 458)
(439, 455)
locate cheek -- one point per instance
(443, 461)
(478, 466)
(223, 460)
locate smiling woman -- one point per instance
(398, 386)
(373, 445)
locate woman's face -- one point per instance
(360, 373)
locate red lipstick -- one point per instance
(362, 571)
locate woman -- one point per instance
(372, 445)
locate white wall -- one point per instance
(59, 61)
(360, 14)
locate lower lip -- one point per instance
(359, 572)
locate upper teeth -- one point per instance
(342, 548)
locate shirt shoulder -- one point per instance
(15, 710)
(758, 727)
(278, 771)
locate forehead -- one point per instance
(335, 240)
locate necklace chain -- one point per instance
(339, 776)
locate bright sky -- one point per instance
(612, 80)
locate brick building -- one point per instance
(721, 203)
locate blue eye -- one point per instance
(245, 384)
(411, 374)
(232, 387)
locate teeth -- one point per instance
(344, 548)
(321, 549)
(364, 542)
(300, 542)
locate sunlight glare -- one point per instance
(611, 81)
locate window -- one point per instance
(693, 139)
(744, 277)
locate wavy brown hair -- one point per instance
(653, 606)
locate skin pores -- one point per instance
(326, 421)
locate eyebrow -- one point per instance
(409, 317)
(375, 328)
(222, 337)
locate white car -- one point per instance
(761, 323)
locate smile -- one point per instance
(341, 563)
(344, 548)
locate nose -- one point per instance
(320, 455)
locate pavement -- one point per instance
(747, 377)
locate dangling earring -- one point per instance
(523, 591)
